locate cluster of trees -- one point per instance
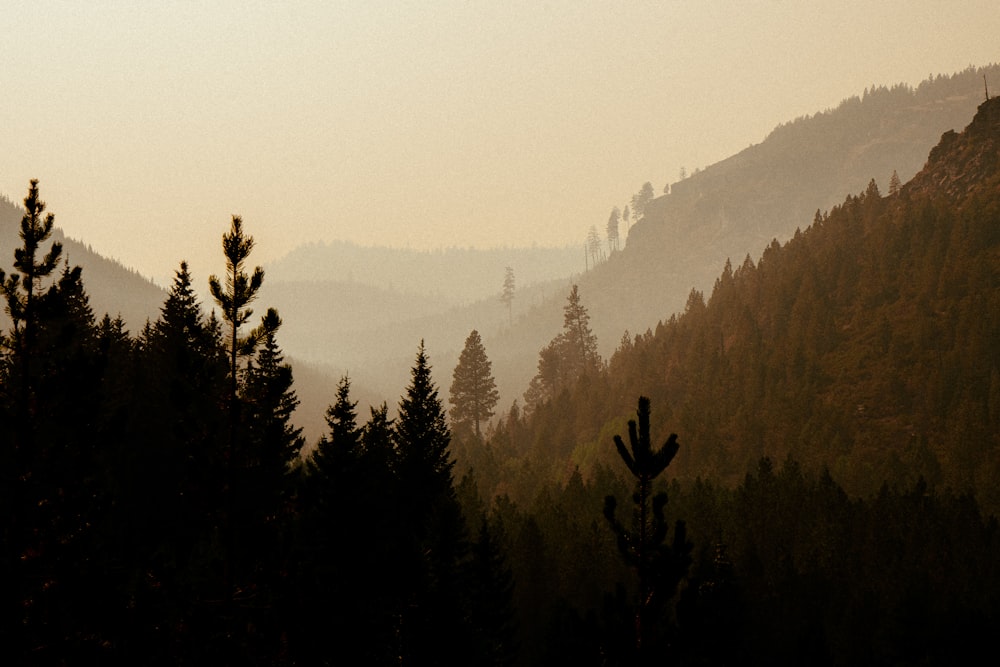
(159, 507)
(567, 357)
(618, 217)
(861, 345)
(156, 508)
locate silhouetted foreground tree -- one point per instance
(659, 566)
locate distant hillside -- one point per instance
(112, 288)
(365, 309)
(453, 276)
(868, 344)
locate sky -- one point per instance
(425, 124)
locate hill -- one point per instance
(113, 288)
(867, 344)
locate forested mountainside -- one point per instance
(735, 207)
(113, 288)
(869, 344)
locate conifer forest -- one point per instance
(800, 467)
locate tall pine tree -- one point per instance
(474, 392)
(431, 527)
(659, 566)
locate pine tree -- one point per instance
(659, 567)
(334, 578)
(612, 229)
(641, 199)
(569, 356)
(20, 291)
(894, 184)
(271, 399)
(580, 343)
(507, 298)
(240, 290)
(422, 436)
(474, 392)
(594, 246)
(171, 502)
(432, 528)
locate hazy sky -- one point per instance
(420, 123)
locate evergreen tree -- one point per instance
(580, 344)
(894, 184)
(474, 392)
(507, 298)
(275, 441)
(594, 245)
(641, 199)
(262, 509)
(612, 229)
(432, 527)
(240, 290)
(422, 437)
(569, 356)
(659, 567)
(334, 579)
(51, 503)
(172, 499)
(21, 290)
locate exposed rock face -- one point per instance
(961, 162)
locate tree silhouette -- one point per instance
(567, 357)
(240, 290)
(641, 199)
(507, 297)
(474, 392)
(580, 344)
(20, 289)
(594, 245)
(894, 184)
(659, 567)
(612, 229)
(432, 529)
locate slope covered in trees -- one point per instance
(737, 206)
(867, 344)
